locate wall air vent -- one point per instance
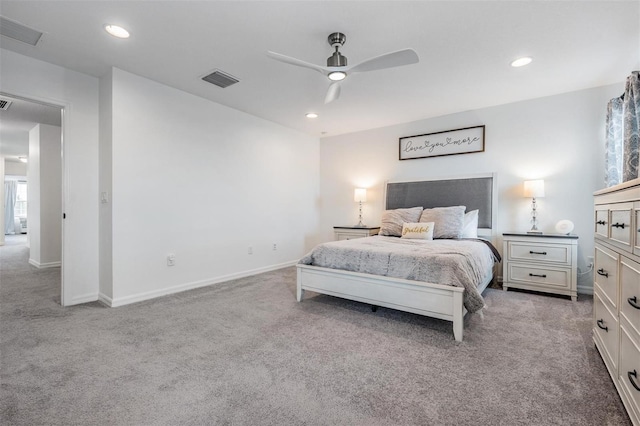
(220, 79)
(4, 104)
(19, 32)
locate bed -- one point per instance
(437, 298)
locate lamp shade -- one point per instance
(534, 188)
(360, 195)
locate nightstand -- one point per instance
(351, 232)
(541, 262)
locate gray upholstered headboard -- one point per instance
(477, 192)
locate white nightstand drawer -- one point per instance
(629, 371)
(548, 253)
(606, 330)
(541, 276)
(606, 273)
(630, 292)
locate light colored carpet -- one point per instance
(246, 353)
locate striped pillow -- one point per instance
(392, 220)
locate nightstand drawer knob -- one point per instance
(633, 301)
(536, 275)
(601, 222)
(538, 252)
(603, 273)
(632, 376)
(618, 225)
(600, 323)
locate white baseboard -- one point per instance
(121, 301)
(85, 298)
(583, 289)
(104, 299)
(45, 264)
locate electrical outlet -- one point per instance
(275, 247)
(171, 259)
(250, 251)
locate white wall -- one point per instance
(78, 94)
(15, 168)
(106, 166)
(205, 182)
(33, 197)
(559, 139)
(2, 173)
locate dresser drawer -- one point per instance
(547, 253)
(541, 276)
(629, 371)
(630, 292)
(606, 274)
(636, 227)
(620, 226)
(602, 222)
(605, 329)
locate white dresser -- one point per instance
(616, 289)
(541, 262)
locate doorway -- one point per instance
(32, 194)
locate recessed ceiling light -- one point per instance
(520, 62)
(311, 115)
(337, 76)
(116, 31)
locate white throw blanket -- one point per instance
(458, 263)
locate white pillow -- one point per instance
(470, 227)
(418, 231)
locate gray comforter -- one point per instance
(459, 263)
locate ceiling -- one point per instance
(464, 47)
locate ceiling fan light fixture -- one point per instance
(116, 31)
(521, 62)
(337, 75)
(311, 115)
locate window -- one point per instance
(20, 209)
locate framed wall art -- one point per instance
(451, 142)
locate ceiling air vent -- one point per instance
(220, 79)
(19, 32)
(4, 104)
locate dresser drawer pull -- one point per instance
(538, 252)
(632, 376)
(601, 222)
(536, 275)
(602, 272)
(633, 301)
(618, 225)
(600, 323)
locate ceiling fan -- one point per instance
(337, 68)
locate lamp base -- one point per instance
(534, 232)
(360, 225)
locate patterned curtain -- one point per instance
(623, 134)
(614, 150)
(631, 127)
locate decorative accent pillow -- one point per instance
(392, 220)
(470, 227)
(448, 221)
(418, 231)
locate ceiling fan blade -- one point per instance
(297, 62)
(333, 93)
(388, 60)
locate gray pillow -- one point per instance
(392, 220)
(448, 221)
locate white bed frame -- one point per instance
(429, 299)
